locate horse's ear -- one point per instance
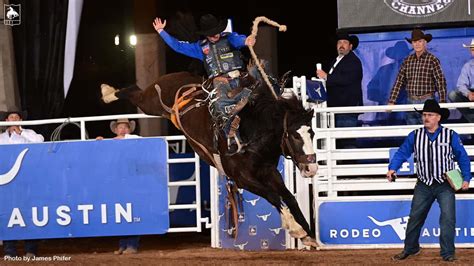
(309, 113)
(288, 94)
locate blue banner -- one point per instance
(316, 91)
(384, 222)
(259, 222)
(408, 167)
(83, 189)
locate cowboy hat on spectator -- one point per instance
(417, 34)
(131, 124)
(4, 114)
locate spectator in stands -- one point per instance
(421, 75)
(123, 128)
(465, 86)
(343, 82)
(436, 148)
(16, 135)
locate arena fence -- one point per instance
(351, 182)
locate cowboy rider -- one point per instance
(220, 54)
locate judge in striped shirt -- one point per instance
(436, 148)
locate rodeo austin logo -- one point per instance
(11, 14)
(418, 8)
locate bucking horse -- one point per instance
(271, 125)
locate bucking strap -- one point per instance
(181, 101)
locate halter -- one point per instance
(305, 158)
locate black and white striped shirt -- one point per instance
(433, 158)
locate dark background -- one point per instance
(310, 39)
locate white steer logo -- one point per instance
(399, 225)
(11, 174)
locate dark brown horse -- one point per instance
(270, 126)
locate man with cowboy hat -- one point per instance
(17, 134)
(344, 82)
(122, 128)
(435, 148)
(420, 74)
(464, 91)
(220, 54)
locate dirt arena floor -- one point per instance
(194, 249)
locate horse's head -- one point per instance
(296, 141)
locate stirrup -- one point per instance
(232, 142)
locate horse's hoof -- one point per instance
(108, 93)
(309, 241)
(106, 89)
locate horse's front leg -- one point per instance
(293, 218)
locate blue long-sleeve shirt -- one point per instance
(408, 146)
(466, 78)
(194, 49)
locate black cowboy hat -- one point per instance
(5, 114)
(433, 107)
(354, 40)
(209, 25)
(417, 34)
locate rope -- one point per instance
(56, 135)
(256, 21)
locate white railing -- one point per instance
(81, 120)
(358, 173)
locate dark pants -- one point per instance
(9, 247)
(414, 118)
(423, 198)
(129, 242)
(467, 113)
(346, 120)
(222, 105)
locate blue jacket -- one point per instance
(407, 148)
(194, 49)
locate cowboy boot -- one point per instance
(234, 144)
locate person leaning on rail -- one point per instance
(123, 128)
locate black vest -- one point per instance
(220, 57)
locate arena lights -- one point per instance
(133, 40)
(117, 40)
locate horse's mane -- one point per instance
(262, 118)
